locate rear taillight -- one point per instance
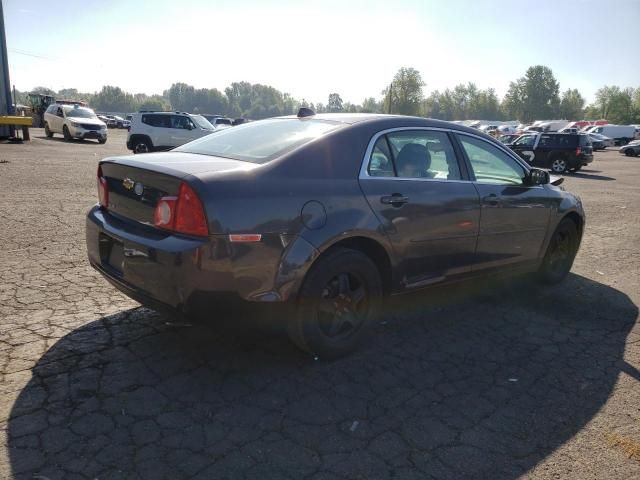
(182, 214)
(578, 151)
(103, 189)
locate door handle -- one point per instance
(396, 199)
(491, 199)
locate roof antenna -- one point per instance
(305, 112)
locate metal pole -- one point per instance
(6, 107)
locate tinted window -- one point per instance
(259, 142)
(566, 141)
(423, 154)
(162, 121)
(546, 141)
(490, 164)
(381, 162)
(181, 122)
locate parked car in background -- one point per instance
(121, 122)
(602, 140)
(632, 149)
(559, 152)
(152, 131)
(239, 121)
(218, 120)
(74, 121)
(380, 205)
(110, 121)
(621, 134)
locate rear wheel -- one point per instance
(338, 301)
(141, 146)
(559, 165)
(561, 251)
(630, 152)
(66, 134)
(47, 132)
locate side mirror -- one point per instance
(538, 177)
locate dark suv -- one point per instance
(558, 152)
(325, 215)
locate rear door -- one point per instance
(428, 208)
(514, 216)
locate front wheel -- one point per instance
(559, 165)
(102, 141)
(337, 303)
(630, 152)
(561, 251)
(47, 131)
(66, 134)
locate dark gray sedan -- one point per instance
(327, 215)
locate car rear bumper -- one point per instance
(167, 271)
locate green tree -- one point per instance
(615, 104)
(572, 105)
(404, 96)
(371, 105)
(113, 99)
(334, 104)
(534, 96)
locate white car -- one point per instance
(74, 121)
(152, 131)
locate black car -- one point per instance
(325, 215)
(559, 152)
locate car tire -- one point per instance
(629, 152)
(559, 165)
(141, 146)
(338, 301)
(102, 141)
(47, 132)
(560, 253)
(66, 134)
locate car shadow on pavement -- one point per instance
(590, 175)
(79, 141)
(462, 385)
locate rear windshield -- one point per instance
(262, 141)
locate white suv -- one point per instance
(151, 131)
(74, 121)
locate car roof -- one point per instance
(387, 121)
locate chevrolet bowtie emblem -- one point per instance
(128, 183)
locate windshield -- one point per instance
(202, 122)
(262, 141)
(79, 112)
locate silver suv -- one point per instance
(152, 131)
(74, 121)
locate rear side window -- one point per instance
(585, 140)
(566, 141)
(546, 141)
(423, 154)
(262, 141)
(162, 121)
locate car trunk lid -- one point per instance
(137, 182)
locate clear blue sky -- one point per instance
(311, 48)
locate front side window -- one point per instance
(262, 141)
(490, 164)
(414, 154)
(526, 141)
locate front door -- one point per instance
(430, 213)
(514, 216)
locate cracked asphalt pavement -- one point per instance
(500, 381)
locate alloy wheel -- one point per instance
(559, 165)
(343, 306)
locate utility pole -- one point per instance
(6, 106)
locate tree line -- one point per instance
(536, 95)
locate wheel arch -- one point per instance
(370, 247)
